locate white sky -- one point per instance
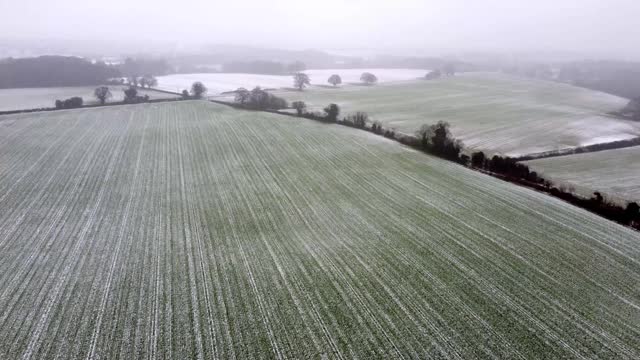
(604, 27)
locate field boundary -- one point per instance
(119, 103)
(620, 144)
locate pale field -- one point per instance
(490, 112)
(193, 231)
(612, 172)
(223, 82)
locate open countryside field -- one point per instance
(223, 82)
(491, 112)
(191, 230)
(35, 98)
(612, 172)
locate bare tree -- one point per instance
(368, 78)
(335, 80)
(301, 80)
(198, 90)
(102, 94)
(242, 96)
(300, 107)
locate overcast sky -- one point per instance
(609, 28)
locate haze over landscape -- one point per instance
(327, 179)
(587, 27)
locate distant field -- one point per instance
(613, 172)
(491, 112)
(218, 83)
(193, 231)
(32, 98)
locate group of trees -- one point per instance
(53, 71)
(302, 80)
(437, 139)
(71, 103)
(131, 96)
(260, 99)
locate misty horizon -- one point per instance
(585, 28)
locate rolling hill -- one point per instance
(491, 112)
(192, 230)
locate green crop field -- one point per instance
(35, 98)
(612, 172)
(193, 231)
(491, 112)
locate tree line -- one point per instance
(55, 71)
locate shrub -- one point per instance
(300, 107)
(332, 111)
(359, 119)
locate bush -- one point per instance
(300, 107)
(359, 119)
(71, 103)
(259, 99)
(131, 96)
(332, 111)
(376, 127)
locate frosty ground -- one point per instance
(191, 230)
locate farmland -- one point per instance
(223, 82)
(612, 172)
(191, 230)
(490, 112)
(33, 98)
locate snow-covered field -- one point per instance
(191, 230)
(491, 112)
(222, 82)
(612, 172)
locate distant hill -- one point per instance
(53, 71)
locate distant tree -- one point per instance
(185, 94)
(242, 96)
(368, 78)
(332, 111)
(130, 94)
(152, 81)
(435, 74)
(449, 69)
(297, 67)
(198, 90)
(148, 81)
(300, 107)
(59, 104)
(301, 80)
(133, 81)
(335, 80)
(102, 93)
